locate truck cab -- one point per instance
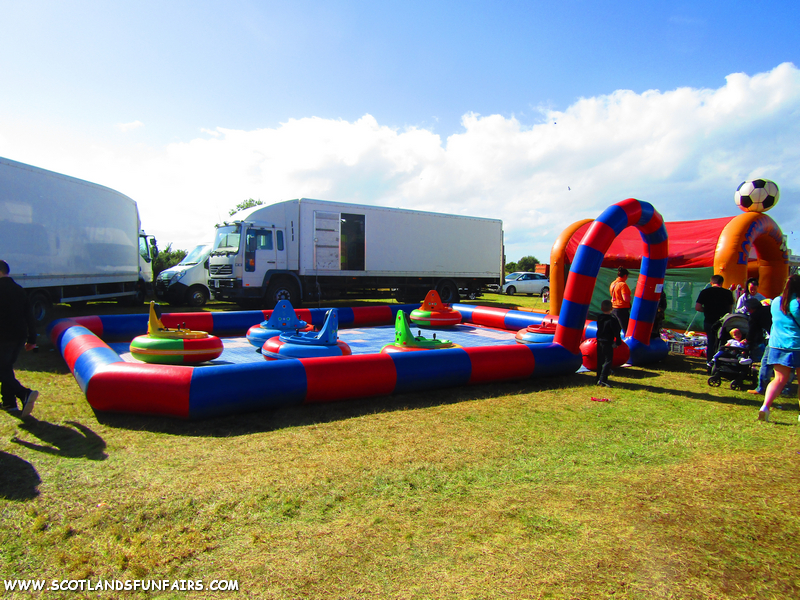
(187, 282)
(148, 251)
(246, 254)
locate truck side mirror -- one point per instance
(154, 247)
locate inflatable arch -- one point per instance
(744, 232)
(726, 251)
(581, 281)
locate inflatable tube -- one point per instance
(586, 265)
(434, 313)
(753, 230)
(405, 341)
(589, 354)
(558, 265)
(190, 351)
(282, 319)
(173, 345)
(277, 345)
(537, 334)
(309, 344)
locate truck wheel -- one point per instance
(283, 289)
(448, 291)
(196, 296)
(41, 305)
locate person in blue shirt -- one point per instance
(783, 353)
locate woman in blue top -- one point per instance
(784, 341)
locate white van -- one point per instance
(187, 282)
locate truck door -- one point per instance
(283, 253)
(326, 241)
(259, 256)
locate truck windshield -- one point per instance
(227, 239)
(197, 255)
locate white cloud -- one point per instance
(126, 127)
(683, 150)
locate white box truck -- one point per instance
(312, 250)
(187, 282)
(68, 240)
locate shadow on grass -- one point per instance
(629, 380)
(77, 441)
(18, 478)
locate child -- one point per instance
(607, 339)
(736, 345)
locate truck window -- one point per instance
(259, 239)
(256, 239)
(144, 249)
(227, 238)
(279, 240)
(352, 241)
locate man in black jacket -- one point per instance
(714, 302)
(17, 331)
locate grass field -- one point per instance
(516, 490)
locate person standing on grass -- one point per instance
(783, 353)
(760, 324)
(714, 302)
(17, 331)
(608, 338)
(750, 293)
(621, 298)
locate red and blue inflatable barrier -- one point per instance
(111, 384)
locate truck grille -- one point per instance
(221, 269)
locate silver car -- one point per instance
(526, 283)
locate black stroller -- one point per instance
(733, 364)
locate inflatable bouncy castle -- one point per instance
(748, 245)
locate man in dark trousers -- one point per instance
(17, 331)
(608, 338)
(714, 302)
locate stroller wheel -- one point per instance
(714, 381)
(736, 385)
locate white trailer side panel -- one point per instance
(56, 230)
(407, 243)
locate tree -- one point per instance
(527, 263)
(511, 267)
(249, 203)
(167, 258)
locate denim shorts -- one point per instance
(787, 358)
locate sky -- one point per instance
(537, 113)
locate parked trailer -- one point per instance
(68, 240)
(310, 250)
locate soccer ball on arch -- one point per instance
(757, 195)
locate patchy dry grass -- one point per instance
(516, 490)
